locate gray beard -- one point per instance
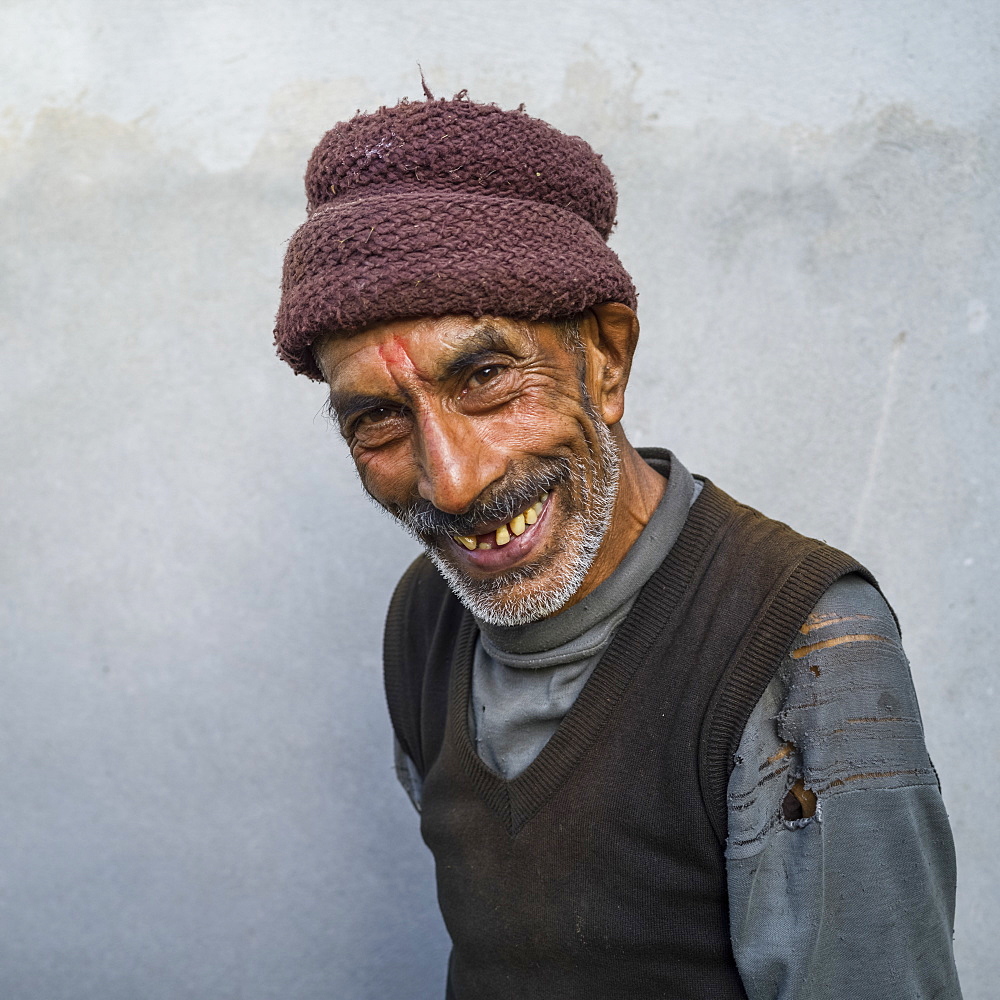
(562, 571)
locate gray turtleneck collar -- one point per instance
(586, 626)
(526, 678)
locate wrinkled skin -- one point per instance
(467, 420)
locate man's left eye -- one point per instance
(484, 375)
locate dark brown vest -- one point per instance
(599, 871)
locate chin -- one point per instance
(531, 592)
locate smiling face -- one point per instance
(488, 439)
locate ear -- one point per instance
(610, 333)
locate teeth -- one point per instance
(516, 526)
(531, 514)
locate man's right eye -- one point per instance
(378, 426)
(377, 415)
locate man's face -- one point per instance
(480, 437)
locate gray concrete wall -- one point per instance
(197, 798)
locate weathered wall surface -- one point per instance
(197, 794)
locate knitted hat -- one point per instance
(447, 206)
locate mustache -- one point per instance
(519, 489)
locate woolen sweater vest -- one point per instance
(599, 871)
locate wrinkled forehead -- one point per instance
(419, 349)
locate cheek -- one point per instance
(388, 475)
(516, 432)
(545, 419)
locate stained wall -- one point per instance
(198, 799)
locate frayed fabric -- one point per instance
(447, 207)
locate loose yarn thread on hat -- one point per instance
(447, 206)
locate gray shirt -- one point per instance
(856, 901)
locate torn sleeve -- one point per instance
(857, 899)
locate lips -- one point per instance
(504, 544)
(502, 534)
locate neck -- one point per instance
(640, 489)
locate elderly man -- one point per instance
(662, 746)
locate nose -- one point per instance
(456, 463)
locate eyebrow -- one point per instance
(342, 408)
(483, 342)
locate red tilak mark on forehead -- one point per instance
(394, 354)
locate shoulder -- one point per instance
(848, 702)
(418, 597)
(850, 605)
(840, 715)
(422, 607)
(422, 629)
(420, 580)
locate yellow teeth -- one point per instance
(516, 526)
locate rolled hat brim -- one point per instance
(416, 253)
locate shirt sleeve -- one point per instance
(407, 774)
(856, 900)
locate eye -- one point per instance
(483, 375)
(378, 415)
(378, 426)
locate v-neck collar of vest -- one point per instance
(656, 612)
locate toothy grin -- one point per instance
(502, 535)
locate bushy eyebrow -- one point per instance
(341, 408)
(484, 342)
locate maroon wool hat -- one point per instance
(447, 207)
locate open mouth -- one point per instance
(504, 544)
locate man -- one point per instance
(662, 746)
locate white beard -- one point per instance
(497, 601)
